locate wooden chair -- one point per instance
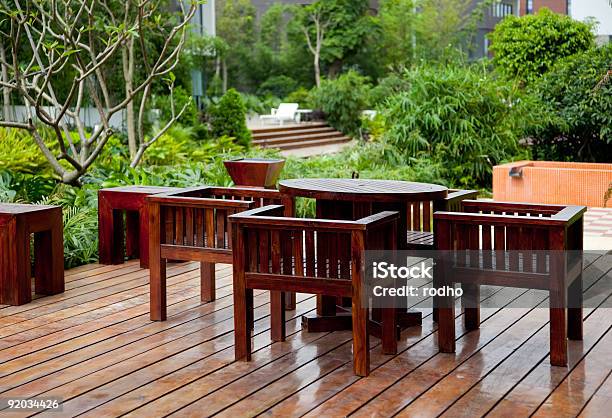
(259, 263)
(420, 215)
(516, 245)
(192, 225)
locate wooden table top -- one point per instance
(362, 189)
(18, 208)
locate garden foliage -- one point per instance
(579, 97)
(461, 117)
(228, 118)
(528, 46)
(342, 100)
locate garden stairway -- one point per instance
(305, 135)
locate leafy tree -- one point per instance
(460, 117)
(397, 41)
(334, 31)
(228, 118)
(527, 47)
(236, 26)
(63, 53)
(582, 105)
(342, 100)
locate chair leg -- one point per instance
(574, 310)
(558, 337)
(207, 282)
(157, 284)
(289, 301)
(471, 306)
(277, 315)
(243, 321)
(361, 339)
(389, 330)
(14, 265)
(49, 260)
(132, 234)
(446, 330)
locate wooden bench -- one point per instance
(17, 223)
(515, 245)
(191, 225)
(261, 263)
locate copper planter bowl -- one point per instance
(254, 172)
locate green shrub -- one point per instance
(19, 153)
(301, 96)
(259, 104)
(387, 87)
(278, 86)
(528, 46)
(460, 117)
(580, 99)
(342, 100)
(228, 118)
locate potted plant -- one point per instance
(254, 172)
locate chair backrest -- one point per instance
(197, 219)
(311, 248)
(509, 236)
(287, 110)
(420, 214)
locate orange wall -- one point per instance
(553, 183)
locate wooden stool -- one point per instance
(111, 204)
(17, 222)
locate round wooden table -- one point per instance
(352, 199)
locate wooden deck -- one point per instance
(95, 348)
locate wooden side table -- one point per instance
(17, 222)
(111, 205)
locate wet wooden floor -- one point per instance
(95, 348)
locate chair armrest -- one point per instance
(200, 202)
(512, 207)
(457, 195)
(570, 214)
(378, 219)
(245, 192)
(260, 217)
(498, 220)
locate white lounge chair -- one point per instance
(285, 112)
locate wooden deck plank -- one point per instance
(80, 295)
(155, 389)
(98, 350)
(484, 395)
(571, 396)
(108, 350)
(83, 393)
(313, 395)
(599, 404)
(93, 309)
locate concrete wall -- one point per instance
(599, 10)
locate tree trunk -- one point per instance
(224, 76)
(128, 76)
(334, 68)
(6, 94)
(317, 69)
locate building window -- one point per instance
(501, 10)
(529, 8)
(569, 7)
